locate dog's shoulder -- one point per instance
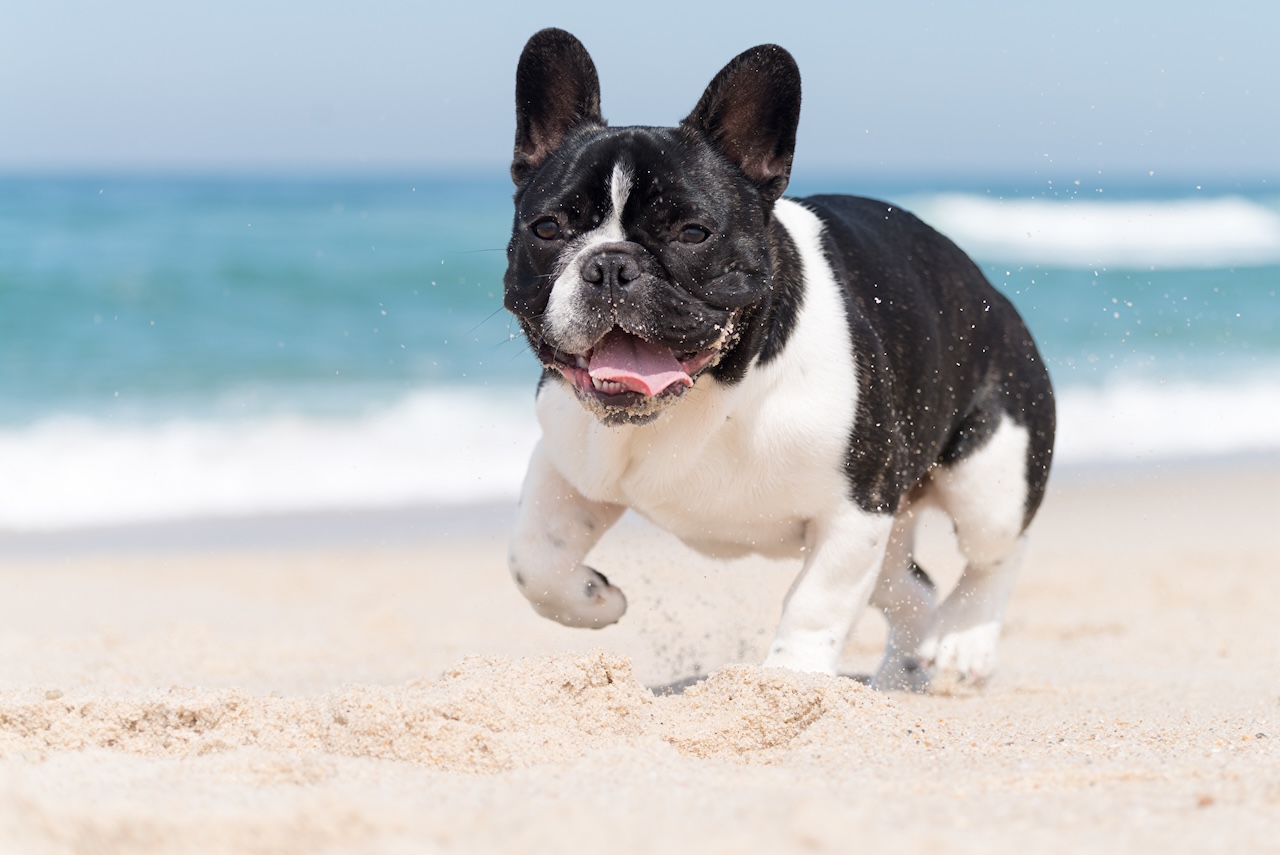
(882, 238)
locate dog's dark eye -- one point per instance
(547, 229)
(693, 234)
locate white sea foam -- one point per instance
(433, 447)
(455, 448)
(1186, 233)
(1140, 421)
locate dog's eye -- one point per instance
(693, 234)
(547, 228)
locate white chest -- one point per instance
(731, 469)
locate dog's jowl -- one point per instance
(790, 377)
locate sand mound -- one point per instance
(486, 715)
(747, 713)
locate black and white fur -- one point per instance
(846, 365)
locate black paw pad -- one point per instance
(596, 582)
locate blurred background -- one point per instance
(251, 254)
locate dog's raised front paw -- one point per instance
(585, 599)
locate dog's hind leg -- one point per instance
(555, 529)
(985, 494)
(908, 599)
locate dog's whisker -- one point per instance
(488, 318)
(528, 348)
(509, 339)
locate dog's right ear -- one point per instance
(557, 89)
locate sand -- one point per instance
(346, 684)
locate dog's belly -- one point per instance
(726, 512)
(720, 538)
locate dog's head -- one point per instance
(640, 255)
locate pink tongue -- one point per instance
(635, 363)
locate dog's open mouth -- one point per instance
(622, 368)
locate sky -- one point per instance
(1075, 89)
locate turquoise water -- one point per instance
(144, 296)
(137, 311)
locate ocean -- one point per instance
(186, 347)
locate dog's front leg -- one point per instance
(844, 553)
(555, 529)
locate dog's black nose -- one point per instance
(610, 268)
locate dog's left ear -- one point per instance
(557, 89)
(750, 113)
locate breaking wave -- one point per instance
(452, 447)
(1227, 231)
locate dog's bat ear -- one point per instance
(557, 89)
(750, 113)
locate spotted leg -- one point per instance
(555, 529)
(908, 599)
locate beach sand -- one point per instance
(375, 684)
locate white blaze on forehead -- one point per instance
(562, 320)
(619, 190)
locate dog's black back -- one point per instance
(941, 352)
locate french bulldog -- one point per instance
(759, 374)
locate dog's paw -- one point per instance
(585, 599)
(814, 655)
(967, 655)
(901, 673)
